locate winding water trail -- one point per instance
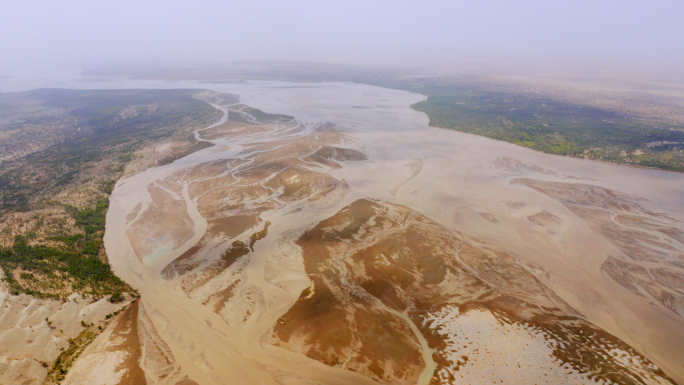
(456, 181)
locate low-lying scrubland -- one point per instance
(73, 146)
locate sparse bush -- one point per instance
(104, 141)
(116, 297)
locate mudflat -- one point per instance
(317, 242)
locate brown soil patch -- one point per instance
(126, 331)
(373, 253)
(489, 217)
(232, 226)
(544, 218)
(330, 155)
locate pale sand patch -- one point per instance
(24, 371)
(100, 368)
(484, 350)
(27, 339)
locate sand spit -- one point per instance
(291, 249)
(114, 358)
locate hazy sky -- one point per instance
(90, 32)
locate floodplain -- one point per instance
(323, 243)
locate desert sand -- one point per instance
(35, 331)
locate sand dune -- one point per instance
(33, 332)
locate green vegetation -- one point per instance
(527, 119)
(183, 152)
(555, 127)
(110, 125)
(70, 260)
(264, 117)
(582, 123)
(53, 201)
(65, 360)
(57, 372)
(527, 123)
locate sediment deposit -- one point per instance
(332, 237)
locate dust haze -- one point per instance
(342, 193)
(496, 35)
